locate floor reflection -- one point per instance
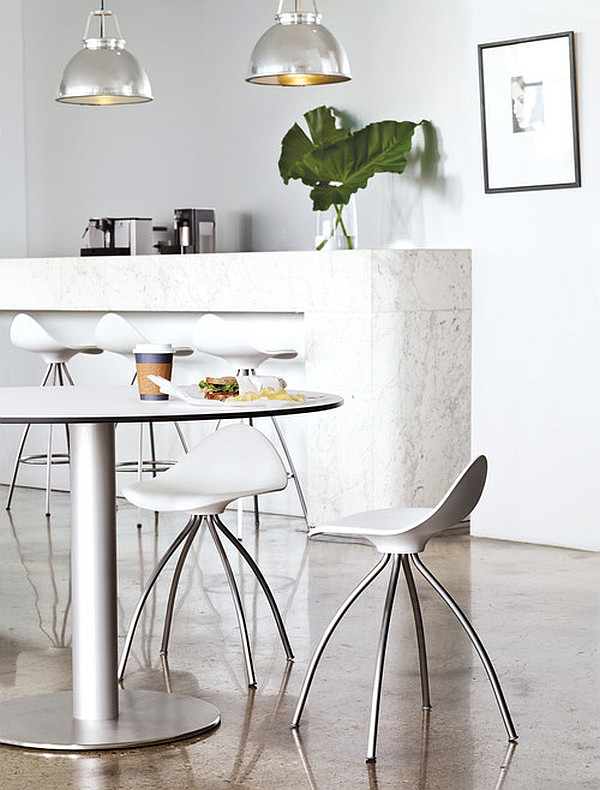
(421, 781)
(460, 746)
(44, 570)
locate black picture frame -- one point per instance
(529, 119)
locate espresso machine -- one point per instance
(194, 230)
(118, 236)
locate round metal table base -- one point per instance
(45, 721)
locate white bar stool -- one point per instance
(116, 334)
(234, 462)
(30, 335)
(218, 338)
(400, 535)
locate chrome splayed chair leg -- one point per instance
(147, 590)
(170, 608)
(380, 660)
(237, 600)
(49, 468)
(292, 469)
(13, 479)
(182, 440)
(187, 537)
(476, 642)
(420, 632)
(263, 583)
(317, 655)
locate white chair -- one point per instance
(27, 333)
(116, 334)
(218, 338)
(234, 462)
(400, 535)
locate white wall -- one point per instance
(211, 139)
(536, 336)
(13, 240)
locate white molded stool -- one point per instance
(233, 462)
(116, 334)
(400, 535)
(215, 336)
(30, 335)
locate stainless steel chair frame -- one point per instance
(402, 561)
(55, 376)
(186, 537)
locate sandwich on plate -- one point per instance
(219, 388)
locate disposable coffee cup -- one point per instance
(152, 359)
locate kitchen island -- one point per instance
(388, 330)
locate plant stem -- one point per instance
(339, 207)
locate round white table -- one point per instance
(97, 714)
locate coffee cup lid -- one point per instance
(153, 348)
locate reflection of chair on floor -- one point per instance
(29, 334)
(218, 338)
(53, 615)
(244, 765)
(116, 334)
(422, 781)
(400, 535)
(232, 462)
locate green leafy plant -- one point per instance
(336, 162)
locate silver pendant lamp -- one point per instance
(103, 72)
(298, 50)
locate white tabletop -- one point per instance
(122, 404)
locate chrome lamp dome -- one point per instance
(104, 72)
(298, 50)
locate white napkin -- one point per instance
(254, 383)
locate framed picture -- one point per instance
(529, 114)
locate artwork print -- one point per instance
(529, 114)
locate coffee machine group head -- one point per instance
(194, 229)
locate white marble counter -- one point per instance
(388, 330)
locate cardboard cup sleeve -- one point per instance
(152, 359)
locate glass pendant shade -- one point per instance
(298, 50)
(104, 72)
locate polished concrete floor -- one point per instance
(537, 608)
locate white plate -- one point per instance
(187, 394)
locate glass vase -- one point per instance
(337, 227)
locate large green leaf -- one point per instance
(295, 146)
(321, 124)
(337, 163)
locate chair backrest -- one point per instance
(117, 334)
(217, 337)
(235, 459)
(27, 333)
(462, 497)
(212, 335)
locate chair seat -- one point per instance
(218, 338)
(234, 462)
(162, 494)
(115, 333)
(391, 530)
(30, 335)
